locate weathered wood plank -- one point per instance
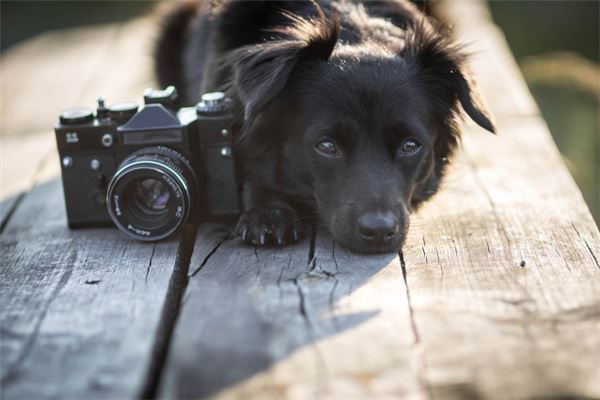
(490, 327)
(228, 320)
(379, 356)
(117, 64)
(502, 266)
(276, 324)
(7, 207)
(47, 74)
(81, 310)
(24, 161)
(67, 68)
(502, 274)
(86, 313)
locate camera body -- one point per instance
(149, 170)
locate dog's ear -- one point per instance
(261, 71)
(470, 98)
(443, 66)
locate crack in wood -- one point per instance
(304, 313)
(259, 267)
(170, 313)
(558, 253)
(280, 276)
(302, 305)
(413, 323)
(439, 263)
(311, 246)
(335, 283)
(310, 330)
(208, 256)
(587, 245)
(416, 345)
(11, 211)
(455, 249)
(423, 250)
(256, 253)
(149, 264)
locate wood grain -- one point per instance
(85, 313)
(69, 68)
(81, 309)
(56, 71)
(500, 297)
(502, 266)
(299, 322)
(23, 162)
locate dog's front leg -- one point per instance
(268, 220)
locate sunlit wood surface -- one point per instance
(496, 294)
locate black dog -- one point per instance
(348, 111)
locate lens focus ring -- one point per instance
(150, 195)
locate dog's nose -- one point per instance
(378, 227)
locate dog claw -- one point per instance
(268, 226)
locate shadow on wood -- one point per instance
(247, 309)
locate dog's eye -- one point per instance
(327, 147)
(409, 146)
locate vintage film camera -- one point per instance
(149, 170)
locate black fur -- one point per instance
(331, 98)
(172, 42)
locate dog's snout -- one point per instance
(377, 227)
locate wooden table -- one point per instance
(495, 295)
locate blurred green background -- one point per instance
(23, 19)
(556, 44)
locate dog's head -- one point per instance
(365, 129)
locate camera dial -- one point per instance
(77, 115)
(115, 167)
(215, 103)
(122, 112)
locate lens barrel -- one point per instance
(150, 195)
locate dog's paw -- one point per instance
(269, 225)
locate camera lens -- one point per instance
(150, 195)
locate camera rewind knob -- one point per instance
(213, 103)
